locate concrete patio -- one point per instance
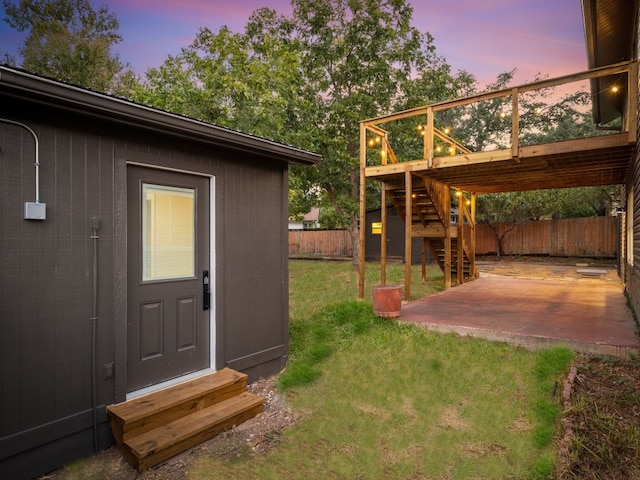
(533, 305)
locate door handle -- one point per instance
(206, 295)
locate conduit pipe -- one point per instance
(32, 210)
(95, 225)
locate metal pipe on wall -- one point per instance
(32, 210)
(95, 225)
(37, 164)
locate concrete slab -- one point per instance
(589, 315)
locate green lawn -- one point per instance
(382, 400)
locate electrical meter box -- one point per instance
(35, 211)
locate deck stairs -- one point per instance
(155, 427)
(430, 219)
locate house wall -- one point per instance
(46, 276)
(630, 260)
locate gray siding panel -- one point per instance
(253, 258)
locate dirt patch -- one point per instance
(602, 422)
(257, 435)
(547, 259)
(477, 450)
(552, 268)
(451, 419)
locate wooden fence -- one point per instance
(581, 237)
(320, 242)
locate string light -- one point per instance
(615, 89)
(447, 131)
(373, 141)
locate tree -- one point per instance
(503, 211)
(234, 81)
(307, 80)
(70, 41)
(587, 201)
(360, 59)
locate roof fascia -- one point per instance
(114, 109)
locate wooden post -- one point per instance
(383, 236)
(515, 125)
(424, 260)
(428, 138)
(472, 247)
(408, 188)
(447, 236)
(363, 200)
(632, 101)
(460, 266)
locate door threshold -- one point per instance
(168, 383)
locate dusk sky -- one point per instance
(485, 37)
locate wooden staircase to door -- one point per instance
(452, 245)
(155, 427)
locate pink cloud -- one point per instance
(490, 37)
(484, 38)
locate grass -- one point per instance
(317, 284)
(386, 400)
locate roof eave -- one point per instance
(122, 111)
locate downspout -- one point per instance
(35, 210)
(95, 225)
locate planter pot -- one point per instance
(387, 300)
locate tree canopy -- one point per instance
(308, 80)
(70, 41)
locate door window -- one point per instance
(168, 232)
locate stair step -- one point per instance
(145, 413)
(166, 441)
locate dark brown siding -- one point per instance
(45, 287)
(255, 258)
(46, 274)
(631, 272)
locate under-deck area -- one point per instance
(432, 176)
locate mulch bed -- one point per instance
(602, 421)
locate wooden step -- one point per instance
(168, 414)
(149, 411)
(166, 441)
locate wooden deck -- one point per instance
(582, 162)
(450, 174)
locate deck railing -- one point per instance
(439, 141)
